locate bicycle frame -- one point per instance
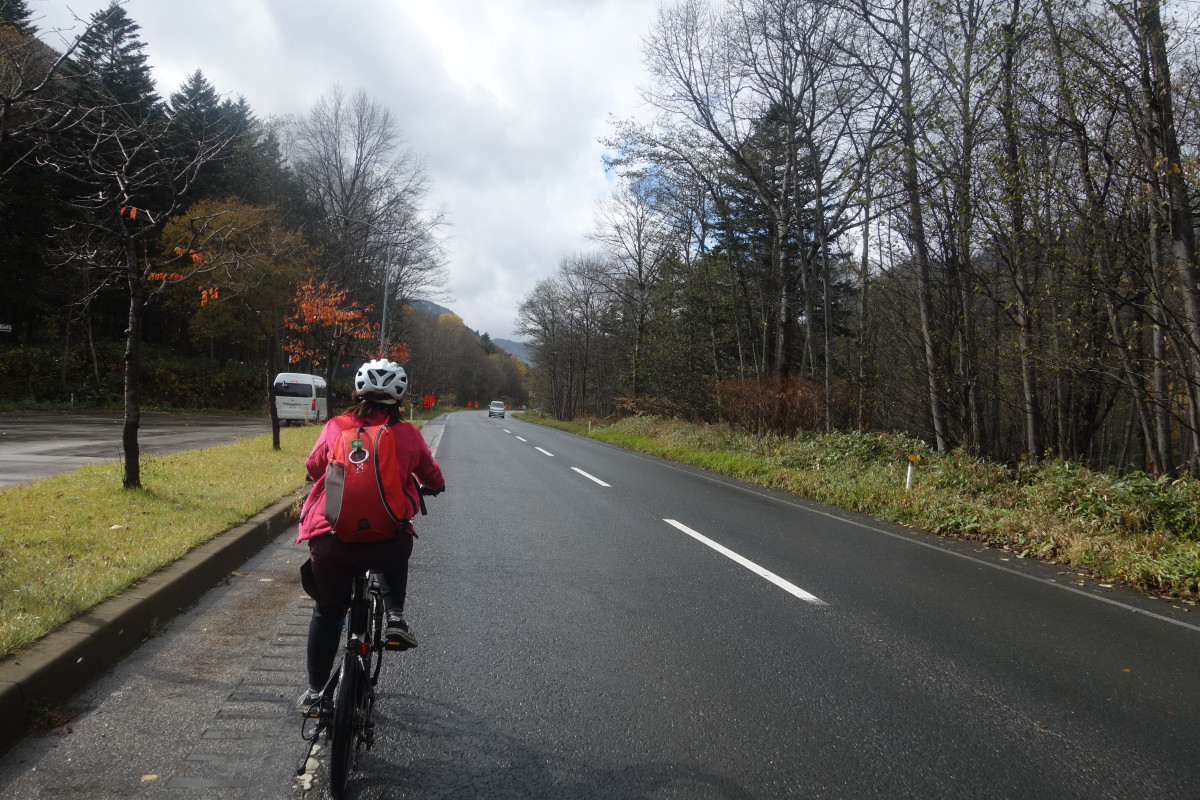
(348, 699)
(344, 710)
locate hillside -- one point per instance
(517, 349)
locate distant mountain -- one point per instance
(517, 349)
(430, 308)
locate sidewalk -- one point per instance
(202, 710)
(36, 680)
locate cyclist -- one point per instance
(328, 573)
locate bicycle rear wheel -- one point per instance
(375, 633)
(344, 732)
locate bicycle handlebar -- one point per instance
(422, 492)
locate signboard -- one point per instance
(5, 327)
(429, 399)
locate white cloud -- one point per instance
(505, 100)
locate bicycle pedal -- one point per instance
(397, 646)
(319, 710)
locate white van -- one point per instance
(301, 397)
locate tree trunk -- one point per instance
(1183, 243)
(964, 273)
(92, 348)
(637, 353)
(66, 356)
(1161, 382)
(1033, 412)
(133, 371)
(1162, 425)
(864, 277)
(1017, 257)
(781, 323)
(827, 336)
(272, 370)
(1098, 230)
(912, 189)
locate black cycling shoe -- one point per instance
(397, 635)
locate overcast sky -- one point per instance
(504, 98)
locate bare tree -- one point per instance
(583, 281)
(721, 75)
(128, 182)
(542, 320)
(896, 30)
(1013, 243)
(350, 156)
(1144, 21)
(637, 241)
(31, 74)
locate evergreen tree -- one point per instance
(194, 108)
(197, 115)
(17, 14)
(250, 167)
(112, 60)
(26, 293)
(266, 179)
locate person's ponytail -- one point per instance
(366, 407)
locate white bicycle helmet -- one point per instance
(381, 377)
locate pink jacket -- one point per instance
(412, 452)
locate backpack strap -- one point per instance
(346, 421)
(400, 519)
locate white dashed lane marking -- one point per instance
(590, 477)
(787, 586)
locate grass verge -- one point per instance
(1133, 528)
(77, 538)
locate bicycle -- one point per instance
(343, 712)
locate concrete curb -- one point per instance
(67, 659)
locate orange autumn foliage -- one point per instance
(322, 318)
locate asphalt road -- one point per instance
(35, 445)
(599, 624)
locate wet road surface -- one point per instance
(38, 444)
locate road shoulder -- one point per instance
(39, 678)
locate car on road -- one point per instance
(496, 409)
(301, 398)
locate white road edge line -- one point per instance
(435, 440)
(590, 477)
(787, 586)
(540, 450)
(757, 491)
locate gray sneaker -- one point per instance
(309, 703)
(398, 635)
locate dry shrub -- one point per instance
(781, 406)
(648, 407)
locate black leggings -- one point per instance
(333, 566)
(325, 627)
